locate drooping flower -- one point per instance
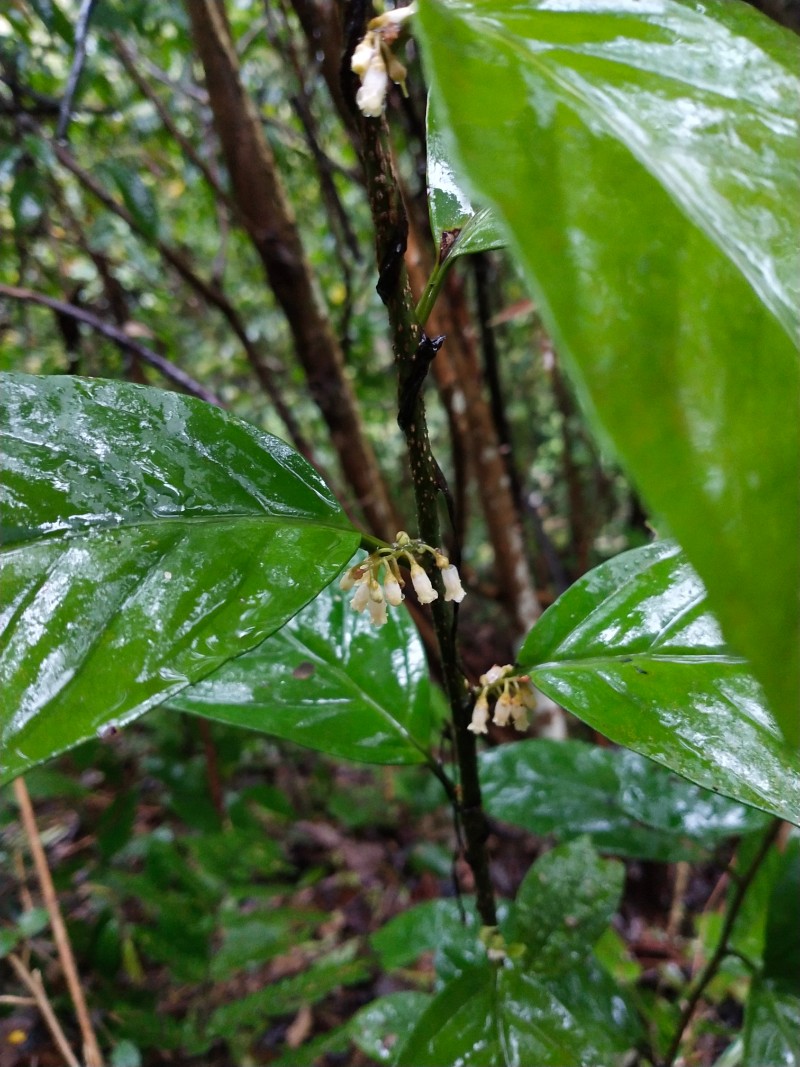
(361, 596)
(453, 590)
(422, 584)
(371, 97)
(377, 611)
(503, 709)
(391, 587)
(480, 715)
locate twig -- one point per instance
(120, 337)
(81, 37)
(91, 1049)
(711, 968)
(32, 980)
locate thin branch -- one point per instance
(91, 1050)
(119, 337)
(211, 293)
(79, 58)
(721, 951)
(129, 61)
(32, 980)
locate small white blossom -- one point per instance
(519, 716)
(391, 587)
(347, 581)
(361, 596)
(375, 591)
(453, 589)
(422, 585)
(371, 97)
(377, 611)
(364, 53)
(503, 709)
(480, 715)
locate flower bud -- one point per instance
(422, 585)
(375, 591)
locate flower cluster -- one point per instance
(512, 695)
(374, 62)
(365, 577)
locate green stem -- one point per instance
(390, 230)
(432, 290)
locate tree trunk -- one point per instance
(272, 228)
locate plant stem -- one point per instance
(32, 981)
(91, 1050)
(711, 968)
(413, 353)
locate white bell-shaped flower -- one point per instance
(453, 590)
(422, 585)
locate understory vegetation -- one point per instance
(399, 631)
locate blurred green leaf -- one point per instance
(329, 680)
(782, 941)
(147, 539)
(771, 1027)
(645, 176)
(136, 195)
(626, 803)
(633, 650)
(378, 1028)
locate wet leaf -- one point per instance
(629, 805)
(642, 160)
(565, 902)
(454, 220)
(147, 538)
(331, 681)
(379, 1027)
(633, 650)
(505, 1017)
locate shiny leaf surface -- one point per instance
(642, 159)
(378, 1027)
(451, 210)
(565, 902)
(627, 804)
(505, 1017)
(633, 650)
(331, 681)
(148, 538)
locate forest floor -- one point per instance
(221, 892)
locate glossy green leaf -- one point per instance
(449, 205)
(147, 538)
(331, 681)
(642, 159)
(425, 926)
(565, 902)
(627, 804)
(633, 650)
(771, 1027)
(379, 1027)
(504, 1017)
